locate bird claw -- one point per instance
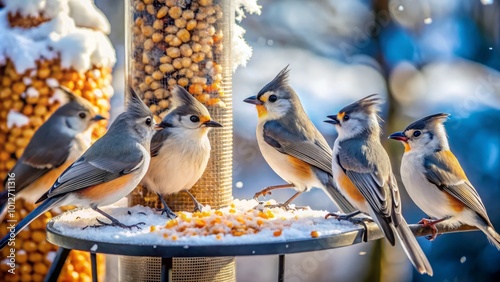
(119, 224)
(339, 217)
(285, 207)
(263, 193)
(355, 220)
(197, 207)
(170, 214)
(432, 225)
(115, 223)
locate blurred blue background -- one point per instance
(424, 57)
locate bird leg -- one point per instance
(286, 204)
(432, 225)
(350, 217)
(267, 190)
(166, 210)
(197, 206)
(114, 221)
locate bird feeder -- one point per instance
(45, 44)
(185, 43)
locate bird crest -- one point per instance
(135, 105)
(281, 80)
(432, 120)
(369, 104)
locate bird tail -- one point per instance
(3, 204)
(412, 248)
(14, 230)
(336, 196)
(492, 235)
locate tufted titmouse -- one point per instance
(108, 171)
(291, 144)
(435, 180)
(180, 151)
(362, 171)
(55, 145)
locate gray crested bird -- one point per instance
(436, 181)
(56, 144)
(291, 144)
(362, 171)
(108, 171)
(181, 149)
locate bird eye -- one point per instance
(82, 115)
(273, 98)
(194, 119)
(346, 117)
(417, 133)
(148, 121)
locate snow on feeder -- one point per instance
(187, 43)
(45, 44)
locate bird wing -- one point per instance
(87, 172)
(443, 170)
(158, 140)
(41, 155)
(362, 164)
(368, 181)
(25, 175)
(313, 152)
(48, 148)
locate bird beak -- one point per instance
(333, 120)
(253, 100)
(159, 126)
(97, 118)
(212, 123)
(399, 136)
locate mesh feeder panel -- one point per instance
(208, 78)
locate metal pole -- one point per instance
(281, 268)
(57, 265)
(166, 269)
(93, 262)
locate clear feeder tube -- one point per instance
(186, 43)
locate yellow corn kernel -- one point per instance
(171, 223)
(199, 223)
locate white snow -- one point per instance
(80, 48)
(98, 93)
(51, 256)
(27, 80)
(58, 96)
(32, 92)
(33, 8)
(52, 82)
(241, 51)
(86, 14)
(16, 119)
(186, 231)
